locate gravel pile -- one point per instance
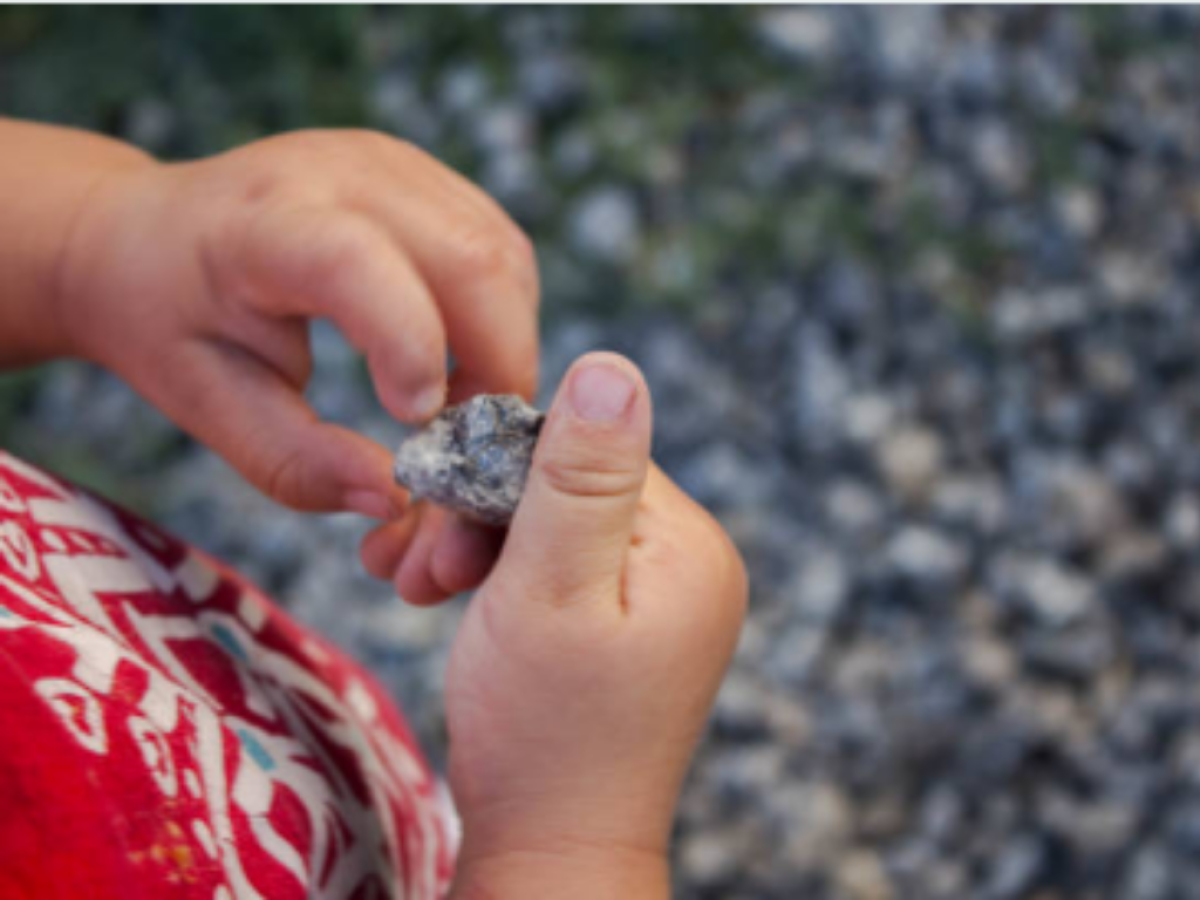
(916, 294)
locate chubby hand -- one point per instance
(195, 283)
(586, 664)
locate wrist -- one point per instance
(47, 175)
(562, 869)
(94, 225)
(554, 837)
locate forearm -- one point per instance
(46, 176)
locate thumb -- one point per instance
(572, 530)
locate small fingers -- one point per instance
(311, 260)
(404, 159)
(481, 268)
(452, 556)
(464, 554)
(414, 578)
(384, 546)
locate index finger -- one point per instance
(483, 277)
(307, 260)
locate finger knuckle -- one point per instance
(294, 162)
(283, 478)
(309, 145)
(589, 475)
(391, 144)
(284, 156)
(523, 252)
(234, 251)
(362, 143)
(525, 266)
(262, 185)
(481, 253)
(320, 159)
(339, 247)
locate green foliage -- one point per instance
(229, 74)
(17, 391)
(675, 84)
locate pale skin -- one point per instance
(589, 657)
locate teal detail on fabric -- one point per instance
(256, 750)
(226, 639)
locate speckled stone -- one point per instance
(474, 457)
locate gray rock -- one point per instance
(1182, 525)
(1149, 876)
(474, 457)
(910, 458)
(861, 876)
(926, 556)
(904, 37)
(821, 387)
(805, 34)
(1057, 594)
(1015, 869)
(821, 585)
(151, 123)
(605, 225)
(1000, 156)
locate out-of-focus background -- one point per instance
(916, 293)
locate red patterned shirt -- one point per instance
(168, 732)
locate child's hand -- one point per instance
(586, 664)
(194, 282)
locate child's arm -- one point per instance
(195, 282)
(46, 174)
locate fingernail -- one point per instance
(369, 503)
(601, 393)
(428, 402)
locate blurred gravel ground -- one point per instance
(916, 293)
